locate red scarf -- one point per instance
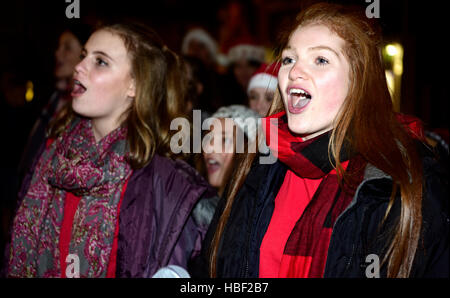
(306, 249)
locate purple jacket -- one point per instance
(156, 227)
(156, 223)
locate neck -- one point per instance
(102, 127)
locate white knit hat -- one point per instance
(243, 117)
(246, 51)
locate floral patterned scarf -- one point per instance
(96, 172)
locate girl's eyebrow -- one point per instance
(84, 51)
(288, 48)
(321, 47)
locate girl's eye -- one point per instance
(321, 61)
(101, 62)
(82, 56)
(287, 60)
(253, 97)
(269, 97)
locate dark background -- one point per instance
(29, 31)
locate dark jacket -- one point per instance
(355, 233)
(156, 222)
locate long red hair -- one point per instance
(366, 122)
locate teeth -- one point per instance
(299, 92)
(76, 82)
(212, 162)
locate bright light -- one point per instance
(29, 94)
(398, 68)
(390, 82)
(392, 50)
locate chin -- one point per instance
(295, 126)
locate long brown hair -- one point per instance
(161, 83)
(367, 122)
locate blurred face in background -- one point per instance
(243, 71)
(218, 163)
(199, 50)
(260, 99)
(67, 55)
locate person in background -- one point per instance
(67, 55)
(199, 43)
(353, 182)
(201, 54)
(106, 187)
(16, 120)
(244, 58)
(220, 163)
(261, 88)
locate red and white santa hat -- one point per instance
(265, 77)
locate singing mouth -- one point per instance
(298, 99)
(78, 88)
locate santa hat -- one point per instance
(201, 36)
(265, 77)
(247, 50)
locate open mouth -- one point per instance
(298, 99)
(212, 165)
(78, 88)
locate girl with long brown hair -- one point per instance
(354, 192)
(104, 189)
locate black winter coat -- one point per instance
(356, 233)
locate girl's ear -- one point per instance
(131, 92)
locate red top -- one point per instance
(292, 198)
(291, 201)
(70, 207)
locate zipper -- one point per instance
(247, 243)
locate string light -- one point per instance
(29, 94)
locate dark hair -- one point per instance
(81, 31)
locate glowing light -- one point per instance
(398, 68)
(390, 82)
(29, 94)
(392, 50)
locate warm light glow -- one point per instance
(398, 68)
(29, 94)
(392, 50)
(390, 82)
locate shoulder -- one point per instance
(163, 168)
